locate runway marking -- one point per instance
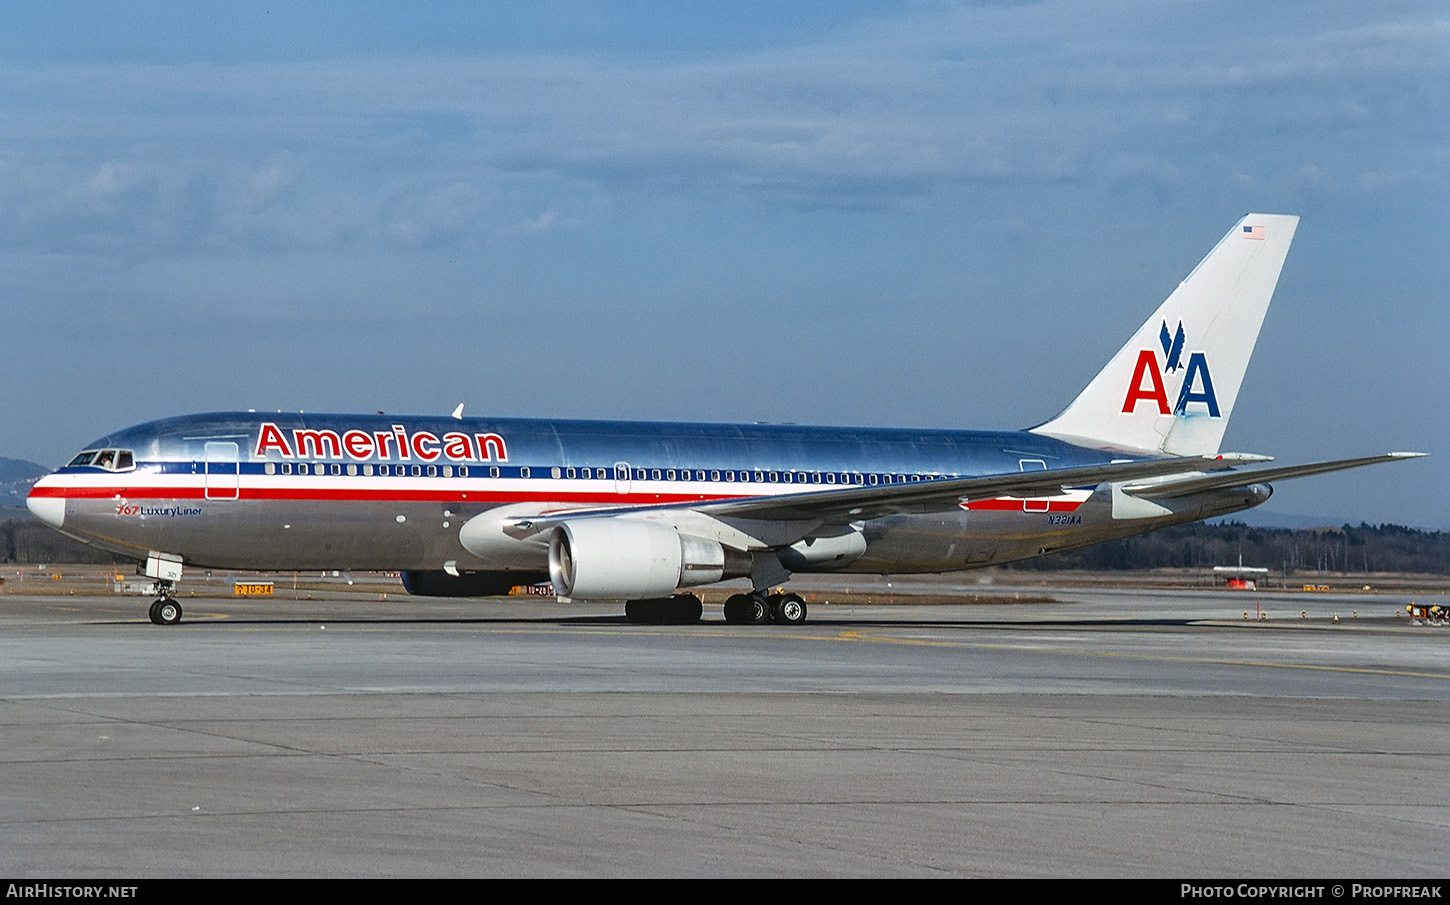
(1309, 666)
(861, 635)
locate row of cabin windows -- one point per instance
(602, 474)
(369, 469)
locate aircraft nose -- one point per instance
(49, 509)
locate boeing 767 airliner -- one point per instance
(638, 511)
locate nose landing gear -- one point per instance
(165, 610)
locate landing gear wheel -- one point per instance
(685, 609)
(165, 612)
(739, 609)
(642, 612)
(681, 609)
(759, 609)
(788, 609)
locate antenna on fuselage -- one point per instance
(458, 412)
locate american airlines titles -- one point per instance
(396, 444)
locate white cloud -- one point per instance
(896, 113)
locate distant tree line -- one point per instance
(1367, 548)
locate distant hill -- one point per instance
(16, 476)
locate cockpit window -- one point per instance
(109, 459)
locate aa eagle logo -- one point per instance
(1147, 383)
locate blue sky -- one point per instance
(917, 214)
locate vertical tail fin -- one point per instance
(1171, 389)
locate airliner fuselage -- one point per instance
(242, 491)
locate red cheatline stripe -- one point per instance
(444, 496)
(414, 496)
(1016, 505)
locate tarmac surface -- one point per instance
(1103, 733)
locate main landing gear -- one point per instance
(165, 610)
(681, 609)
(684, 609)
(758, 607)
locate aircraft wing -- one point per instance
(845, 504)
(850, 503)
(1176, 487)
(839, 505)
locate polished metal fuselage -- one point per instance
(285, 492)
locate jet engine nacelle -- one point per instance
(630, 559)
(437, 583)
